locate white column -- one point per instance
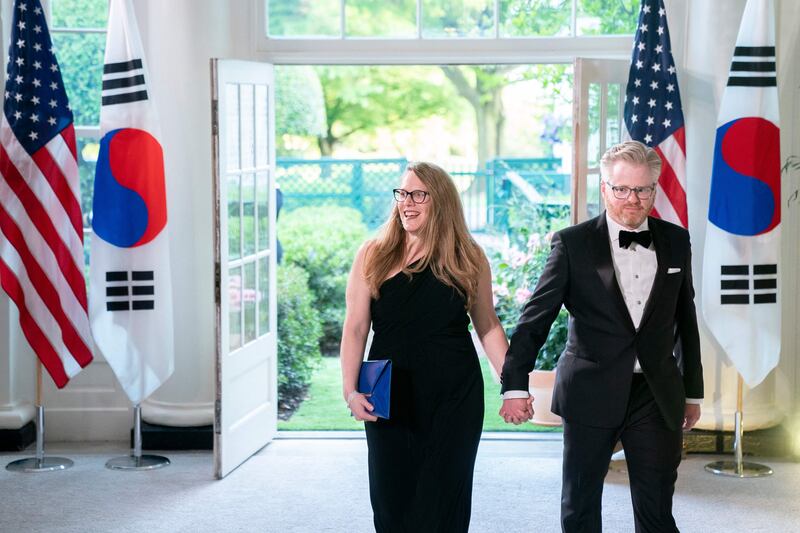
(711, 37)
(180, 37)
(17, 376)
(16, 369)
(788, 50)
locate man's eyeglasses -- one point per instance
(418, 197)
(621, 192)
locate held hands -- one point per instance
(517, 410)
(360, 407)
(691, 414)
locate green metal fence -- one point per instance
(366, 184)
(363, 184)
(552, 188)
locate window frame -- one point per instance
(421, 50)
(263, 15)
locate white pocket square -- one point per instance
(673, 270)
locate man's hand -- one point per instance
(517, 410)
(691, 415)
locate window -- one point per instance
(437, 19)
(78, 30)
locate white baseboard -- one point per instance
(87, 424)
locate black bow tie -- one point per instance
(627, 237)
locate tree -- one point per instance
(80, 55)
(613, 17)
(363, 99)
(299, 104)
(381, 18)
(303, 17)
(80, 58)
(482, 86)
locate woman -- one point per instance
(415, 284)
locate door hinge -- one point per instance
(218, 417)
(217, 282)
(215, 117)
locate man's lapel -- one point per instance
(604, 264)
(662, 247)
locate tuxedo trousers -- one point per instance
(652, 453)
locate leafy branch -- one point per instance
(791, 165)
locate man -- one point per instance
(626, 280)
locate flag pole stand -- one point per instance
(137, 461)
(738, 468)
(40, 463)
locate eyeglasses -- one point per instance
(621, 192)
(418, 197)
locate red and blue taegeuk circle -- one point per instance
(745, 196)
(130, 201)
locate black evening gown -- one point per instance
(421, 460)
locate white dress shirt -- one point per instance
(635, 269)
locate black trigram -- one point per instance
(753, 66)
(736, 286)
(130, 294)
(123, 82)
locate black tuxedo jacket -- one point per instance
(594, 372)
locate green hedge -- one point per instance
(323, 241)
(299, 331)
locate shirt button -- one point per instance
(636, 276)
(638, 302)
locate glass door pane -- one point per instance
(248, 222)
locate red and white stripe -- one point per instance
(41, 250)
(670, 203)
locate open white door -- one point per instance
(598, 105)
(245, 418)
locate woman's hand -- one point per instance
(360, 407)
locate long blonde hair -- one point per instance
(453, 255)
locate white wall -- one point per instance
(180, 37)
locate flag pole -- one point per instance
(39, 463)
(738, 468)
(137, 461)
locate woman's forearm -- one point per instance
(495, 345)
(351, 355)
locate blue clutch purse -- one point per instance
(375, 379)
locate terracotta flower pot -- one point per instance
(541, 387)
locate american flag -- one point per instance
(653, 112)
(41, 247)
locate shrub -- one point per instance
(517, 268)
(323, 241)
(299, 331)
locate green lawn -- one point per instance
(325, 409)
